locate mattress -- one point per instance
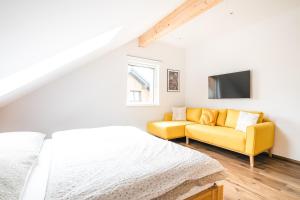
(122, 163)
(37, 182)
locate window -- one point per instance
(135, 96)
(142, 81)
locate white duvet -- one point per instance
(120, 163)
(19, 153)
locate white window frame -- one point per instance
(144, 62)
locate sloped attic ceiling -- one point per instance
(227, 17)
(41, 40)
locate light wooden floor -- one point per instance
(271, 178)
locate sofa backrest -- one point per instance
(221, 117)
(226, 117)
(233, 115)
(193, 114)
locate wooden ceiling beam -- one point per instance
(184, 13)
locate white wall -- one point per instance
(271, 50)
(95, 95)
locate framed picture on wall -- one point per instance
(173, 80)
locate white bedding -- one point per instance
(37, 182)
(120, 163)
(18, 155)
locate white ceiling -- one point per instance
(35, 32)
(226, 17)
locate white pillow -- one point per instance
(21, 141)
(179, 113)
(246, 119)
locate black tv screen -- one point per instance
(233, 85)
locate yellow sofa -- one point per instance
(257, 139)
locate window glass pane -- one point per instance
(142, 81)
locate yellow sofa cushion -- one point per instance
(221, 117)
(261, 115)
(233, 116)
(224, 137)
(209, 117)
(168, 116)
(168, 129)
(193, 114)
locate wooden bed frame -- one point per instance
(213, 193)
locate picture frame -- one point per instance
(173, 80)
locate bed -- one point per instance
(120, 163)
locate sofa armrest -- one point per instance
(259, 137)
(168, 116)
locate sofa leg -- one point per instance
(270, 153)
(251, 161)
(187, 141)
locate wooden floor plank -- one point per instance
(271, 178)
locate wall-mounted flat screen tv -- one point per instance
(233, 85)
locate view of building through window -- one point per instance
(135, 96)
(141, 83)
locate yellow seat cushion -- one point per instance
(224, 137)
(209, 117)
(168, 129)
(221, 117)
(233, 116)
(193, 114)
